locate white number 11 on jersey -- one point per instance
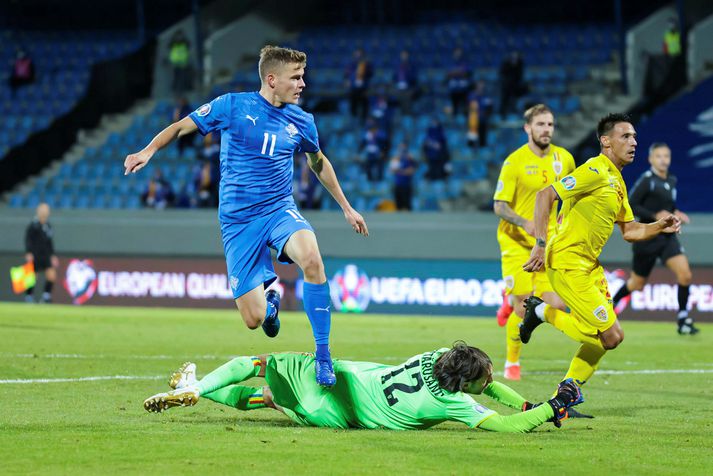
(272, 144)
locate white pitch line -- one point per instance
(630, 372)
(79, 379)
(107, 356)
(137, 377)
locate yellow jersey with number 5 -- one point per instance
(593, 199)
(522, 175)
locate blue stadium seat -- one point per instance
(17, 201)
(133, 202)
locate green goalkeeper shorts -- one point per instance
(291, 378)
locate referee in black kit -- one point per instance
(653, 196)
(39, 250)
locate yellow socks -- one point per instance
(585, 362)
(513, 344)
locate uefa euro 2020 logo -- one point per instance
(350, 289)
(80, 280)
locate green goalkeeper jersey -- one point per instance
(369, 395)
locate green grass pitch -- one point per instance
(653, 399)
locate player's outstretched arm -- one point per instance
(518, 422)
(568, 395)
(324, 171)
(635, 231)
(505, 395)
(543, 205)
(137, 161)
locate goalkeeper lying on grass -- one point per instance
(426, 390)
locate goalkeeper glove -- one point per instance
(568, 395)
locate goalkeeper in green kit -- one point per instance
(424, 391)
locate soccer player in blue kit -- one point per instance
(260, 132)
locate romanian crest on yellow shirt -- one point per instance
(614, 183)
(601, 313)
(557, 164)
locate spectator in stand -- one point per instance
(381, 112)
(309, 193)
(23, 71)
(459, 82)
(179, 57)
(405, 82)
(512, 85)
(672, 39)
(374, 147)
(403, 166)
(39, 249)
(158, 193)
(183, 109)
(435, 149)
(358, 75)
(480, 107)
(205, 186)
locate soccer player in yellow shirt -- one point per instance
(593, 199)
(535, 165)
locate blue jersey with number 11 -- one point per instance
(258, 141)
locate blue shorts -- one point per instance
(247, 247)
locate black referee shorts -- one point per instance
(664, 246)
(42, 262)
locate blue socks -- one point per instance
(270, 312)
(318, 308)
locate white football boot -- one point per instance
(185, 376)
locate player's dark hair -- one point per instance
(607, 123)
(461, 365)
(657, 145)
(272, 56)
(536, 110)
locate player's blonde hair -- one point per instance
(536, 110)
(272, 57)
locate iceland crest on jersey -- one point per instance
(292, 130)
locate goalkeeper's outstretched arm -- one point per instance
(519, 422)
(555, 409)
(505, 395)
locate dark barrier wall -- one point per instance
(113, 87)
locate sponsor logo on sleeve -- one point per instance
(478, 408)
(234, 283)
(500, 186)
(204, 110)
(568, 182)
